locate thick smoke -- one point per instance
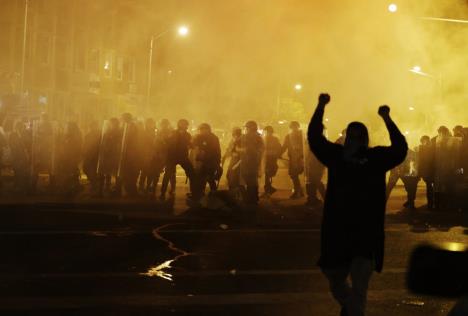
(243, 58)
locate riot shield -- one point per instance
(251, 153)
(33, 160)
(123, 150)
(296, 153)
(409, 166)
(57, 134)
(44, 147)
(447, 161)
(313, 174)
(307, 156)
(104, 128)
(193, 158)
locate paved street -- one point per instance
(87, 260)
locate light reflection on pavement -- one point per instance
(160, 270)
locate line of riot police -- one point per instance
(128, 157)
(441, 162)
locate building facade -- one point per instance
(82, 61)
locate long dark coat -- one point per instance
(354, 208)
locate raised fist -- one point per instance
(384, 111)
(324, 98)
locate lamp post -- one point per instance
(23, 57)
(393, 8)
(181, 31)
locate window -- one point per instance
(42, 49)
(61, 54)
(5, 46)
(41, 5)
(93, 61)
(129, 69)
(63, 20)
(119, 68)
(4, 52)
(80, 52)
(108, 64)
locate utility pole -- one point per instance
(25, 33)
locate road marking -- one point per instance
(406, 228)
(175, 301)
(123, 232)
(205, 273)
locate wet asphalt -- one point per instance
(81, 262)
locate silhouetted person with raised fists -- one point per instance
(352, 234)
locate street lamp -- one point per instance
(23, 57)
(392, 8)
(444, 20)
(416, 69)
(182, 31)
(298, 87)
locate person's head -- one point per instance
(204, 129)
(268, 130)
(357, 136)
(182, 125)
(458, 131)
(236, 132)
(150, 125)
(294, 126)
(251, 127)
(425, 140)
(443, 131)
(113, 123)
(164, 124)
(126, 117)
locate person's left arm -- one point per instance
(391, 156)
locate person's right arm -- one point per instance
(324, 150)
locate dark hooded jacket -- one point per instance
(354, 208)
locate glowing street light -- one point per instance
(411, 108)
(298, 87)
(183, 30)
(416, 68)
(392, 8)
